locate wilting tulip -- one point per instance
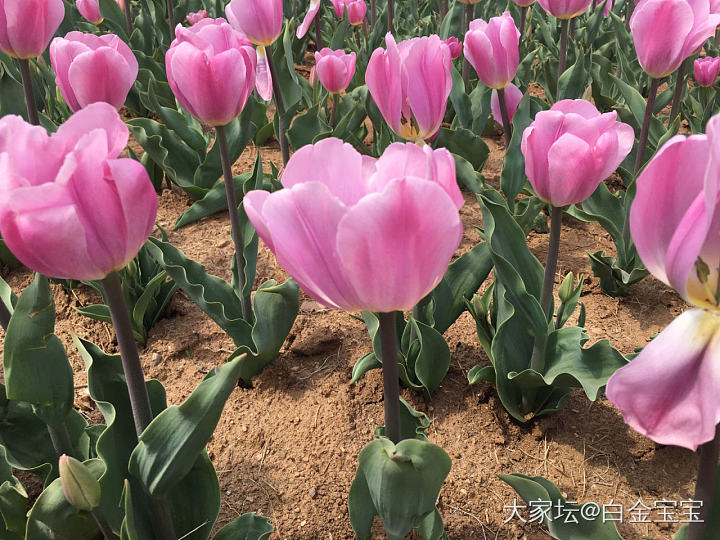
(260, 20)
(358, 233)
(410, 83)
(666, 32)
(707, 70)
(194, 18)
(90, 68)
(334, 69)
(211, 70)
(77, 213)
(513, 96)
(493, 50)
(90, 10)
(669, 393)
(565, 9)
(571, 148)
(455, 47)
(26, 26)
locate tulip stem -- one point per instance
(505, 114)
(562, 54)
(572, 28)
(708, 455)
(333, 113)
(128, 17)
(235, 230)
(171, 18)
(629, 7)
(679, 91)
(60, 437)
(523, 19)
(716, 41)
(318, 32)
(137, 389)
(391, 14)
(4, 315)
(391, 384)
(277, 95)
(645, 130)
(443, 8)
(103, 525)
(27, 83)
(373, 14)
(468, 12)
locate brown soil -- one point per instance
(287, 448)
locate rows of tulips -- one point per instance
(377, 146)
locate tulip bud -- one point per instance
(566, 289)
(80, 487)
(90, 10)
(194, 18)
(707, 70)
(27, 26)
(313, 79)
(455, 47)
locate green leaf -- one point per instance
(215, 200)
(7, 296)
(365, 364)
(482, 373)
(461, 101)
(308, 128)
(576, 78)
(13, 502)
(429, 355)
(413, 424)
(432, 527)
(464, 143)
(614, 279)
(247, 527)
(36, 368)
(173, 441)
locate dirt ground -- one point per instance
(287, 447)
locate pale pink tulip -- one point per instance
(259, 20)
(27, 26)
(493, 49)
(334, 69)
(565, 9)
(706, 70)
(90, 10)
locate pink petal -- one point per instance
(101, 75)
(263, 81)
(570, 171)
(309, 17)
(95, 116)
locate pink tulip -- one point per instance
(363, 234)
(357, 9)
(410, 83)
(90, 10)
(707, 70)
(608, 7)
(26, 26)
(309, 17)
(666, 32)
(565, 9)
(194, 18)
(90, 68)
(335, 69)
(211, 70)
(670, 391)
(513, 96)
(260, 20)
(493, 50)
(79, 212)
(455, 47)
(339, 7)
(571, 148)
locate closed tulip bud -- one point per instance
(455, 47)
(27, 26)
(357, 10)
(493, 50)
(334, 69)
(211, 70)
(90, 68)
(194, 18)
(90, 10)
(410, 83)
(259, 20)
(567, 288)
(565, 9)
(79, 212)
(707, 70)
(571, 148)
(666, 32)
(80, 487)
(513, 97)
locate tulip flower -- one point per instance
(90, 68)
(90, 10)
(565, 9)
(492, 49)
(707, 70)
(357, 9)
(669, 392)
(308, 19)
(334, 69)
(211, 70)
(513, 96)
(455, 47)
(410, 83)
(26, 26)
(194, 18)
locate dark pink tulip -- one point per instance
(90, 68)
(666, 32)
(670, 391)
(339, 7)
(455, 47)
(358, 233)
(90, 10)
(194, 18)
(259, 20)
(493, 50)
(565, 9)
(357, 9)
(79, 212)
(27, 26)
(707, 70)
(334, 69)
(211, 70)
(571, 148)
(513, 96)
(410, 83)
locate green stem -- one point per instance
(333, 113)
(468, 12)
(645, 130)
(708, 455)
(32, 111)
(523, 19)
(318, 32)
(391, 383)
(235, 229)
(562, 54)
(60, 437)
(629, 7)
(103, 525)
(391, 14)
(443, 9)
(171, 17)
(679, 91)
(507, 126)
(373, 14)
(573, 21)
(277, 95)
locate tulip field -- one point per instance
(297, 269)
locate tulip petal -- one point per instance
(395, 246)
(309, 17)
(95, 116)
(384, 83)
(100, 75)
(570, 166)
(263, 79)
(669, 392)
